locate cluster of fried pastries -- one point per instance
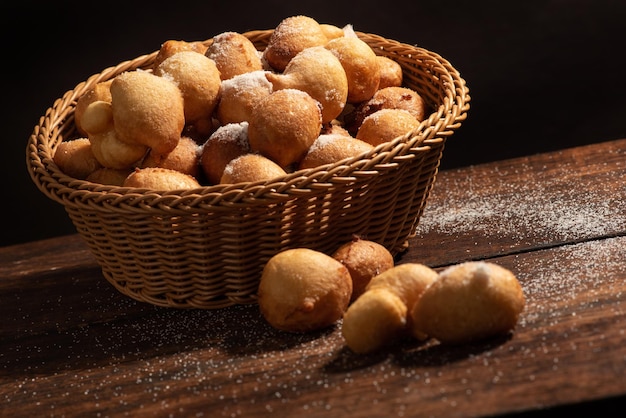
(222, 111)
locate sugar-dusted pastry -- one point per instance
(240, 94)
(184, 158)
(147, 110)
(468, 302)
(317, 71)
(331, 148)
(292, 35)
(197, 78)
(284, 125)
(303, 290)
(160, 179)
(390, 72)
(75, 158)
(386, 124)
(234, 54)
(224, 145)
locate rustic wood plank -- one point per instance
(568, 347)
(524, 203)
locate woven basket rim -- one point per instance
(48, 176)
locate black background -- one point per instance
(542, 75)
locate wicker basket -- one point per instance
(206, 248)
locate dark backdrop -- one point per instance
(542, 74)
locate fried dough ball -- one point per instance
(469, 302)
(224, 145)
(251, 168)
(76, 159)
(184, 158)
(100, 92)
(162, 179)
(284, 125)
(234, 54)
(292, 35)
(106, 146)
(240, 94)
(390, 72)
(198, 79)
(172, 46)
(109, 176)
(360, 64)
(385, 125)
(364, 259)
(330, 148)
(387, 98)
(147, 110)
(303, 290)
(375, 320)
(318, 72)
(331, 31)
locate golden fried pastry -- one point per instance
(469, 302)
(284, 125)
(375, 320)
(386, 124)
(161, 179)
(109, 176)
(331, 31)
(224, 145)
(364, 259)
(360, 64)
(240, 94)
(390, 72)
(234, 54)
(331, 148)
(172, 46)
(184, 158)
(251, 168)
(303, 290)
(198, 79)
(106, 146)
(318, 72)
(147, 110)
(76, 159)
(386, 98)
(100, 92)
(292, 35)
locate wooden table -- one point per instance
(72, 345)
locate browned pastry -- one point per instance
(234, 54)
(160, 179)
(331, 148)
(172, 46)
(303, 290)
(386, 98)
(198, 79)
(251, 168)
(390, 72)
(292, 35)
(106, 146)
(109, 176)
(184, 158)
(100, 92)
(147, 110)
(224, 145)
(240, 94)
(386, 124)
(76, 159)
(364, 259)
(360, 64)
(331, 31)
(469, 302)
(284, 125)
(317, 71)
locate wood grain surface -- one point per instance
(71, 345)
